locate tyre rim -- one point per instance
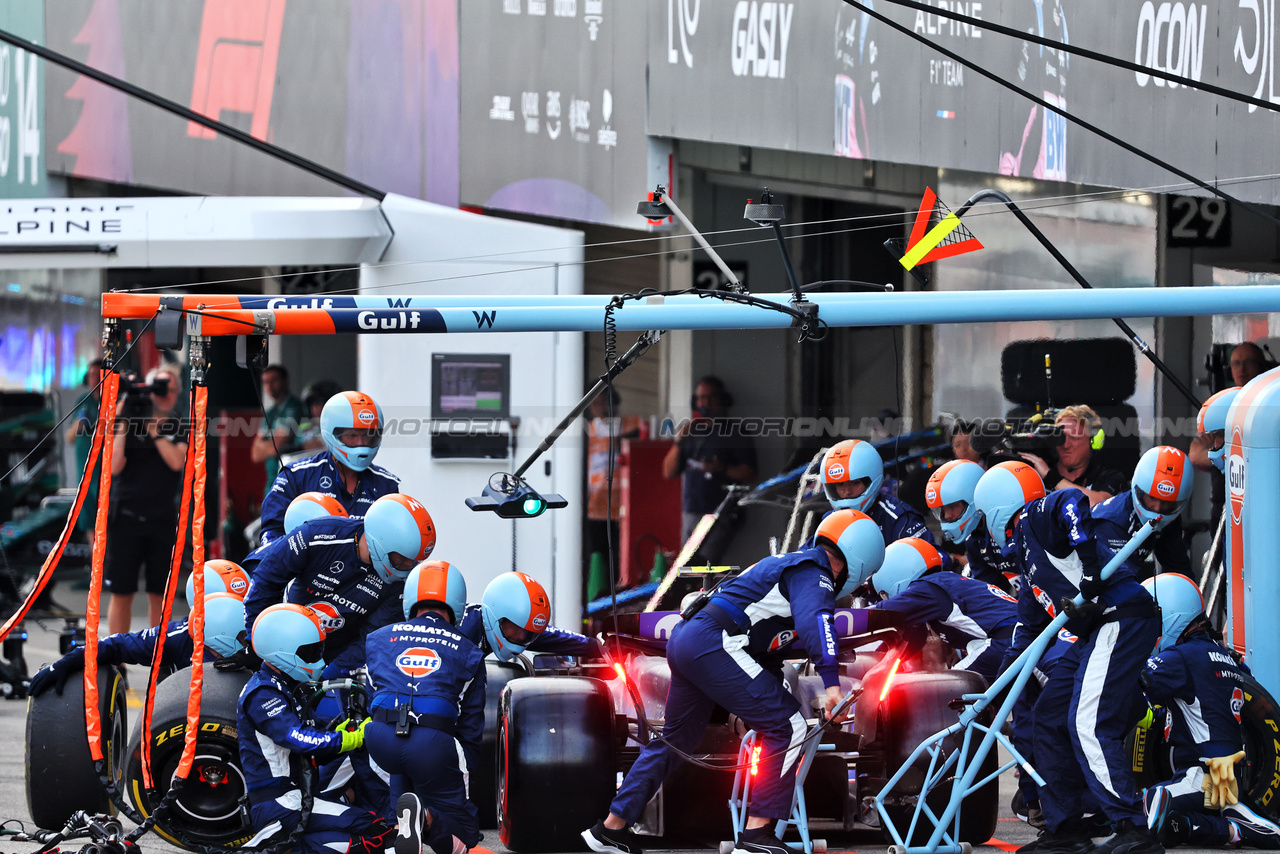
(214, 789)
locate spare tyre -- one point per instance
(60, 774)
(556, 765)
(208, 811)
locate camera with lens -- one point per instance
(997, 440)
(137, 394)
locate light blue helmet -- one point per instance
(515, 610)
(223, 623)
(352, 410)
(1179, 600)
(436, 581)
(220, 576)
(951, 483)
(398, 525)
(308, 506)
(860, 543)
(849, 461)
(1212, 419)
(289, 638)
(1001, 492)
(905, 561)
(1164, 478)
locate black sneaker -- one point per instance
(409, 824)
(1058, 843)
(1255, 831)
(761, 840)
(1131, 839)
(602, 839)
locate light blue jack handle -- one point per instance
(1017, 675)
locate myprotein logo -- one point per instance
(417, 662)
(761, 35)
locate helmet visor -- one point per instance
(518, 635)
(951, 512)
(850, 488)
(312, 653)
(1157, 505)
(358, 437)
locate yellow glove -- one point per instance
(352, 735)
(1220, 786)
(1148, 719)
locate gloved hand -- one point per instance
(55, 675)
(1091, 588)
(352, 735)
(1148, 719)
(245, 659)
(1220, 786)
(1084, 612)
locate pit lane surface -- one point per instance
(43, 647)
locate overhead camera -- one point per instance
(511, 497)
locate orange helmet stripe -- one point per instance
(932, 559)
(538, 604)
(1032, 484)
(933, 489)
(433, 581)
(1171, 465)
(364, 414)
(838, 455)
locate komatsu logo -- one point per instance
(389, 320)
(418, 661)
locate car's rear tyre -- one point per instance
(208, 810)
(915, 708)
(60, 773)
(556, 765)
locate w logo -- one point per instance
(485, 318)
(398, 303)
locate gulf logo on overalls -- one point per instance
(418, 661)
(330, 619)
(1237, 703)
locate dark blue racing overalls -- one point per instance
(1202, 687)
(976, 619)
(320, 474)
(1089, 704)
(730, 653)
(319, 566)
(986, 563)
(276, 742)
(428, 710)
(1167, 545)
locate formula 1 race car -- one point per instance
(564, 739)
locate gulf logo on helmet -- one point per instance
(835, 471)
(239, 586)
(930, 495)
(366, 417)
(418, 661)
(1166, 489)
(1237, 703)
(330, 619)
(539, 607)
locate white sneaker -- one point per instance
(408, 824)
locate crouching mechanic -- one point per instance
(729, 652)
(974, 618)
(1201, 687)
(223, 633)
(429, 683)
(279, 741)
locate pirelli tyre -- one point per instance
(916, 707)
(483, 782)
(1258, 774)
(60, 774)
(556, 763)
(208, 812)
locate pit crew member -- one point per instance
(1122, 515)
(949, 493)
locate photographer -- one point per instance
(146, 480)
(1075, 467)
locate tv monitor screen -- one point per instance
(470, 385)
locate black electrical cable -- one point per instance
(1115, 140)
(1085, 53)
(192, 116)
